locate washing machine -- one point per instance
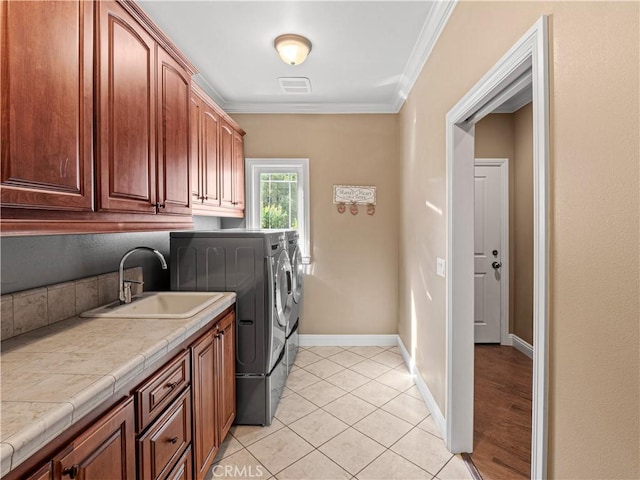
(297, 269)
(256, 266)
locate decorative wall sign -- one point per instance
(363, 195)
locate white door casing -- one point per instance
(530, 52)
(487, 315)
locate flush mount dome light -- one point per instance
(293, 49)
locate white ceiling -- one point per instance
(365, 57)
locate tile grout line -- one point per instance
(314, 449)
(345, 392)
(410, 461)
(413, 427)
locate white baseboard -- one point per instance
(436, 413)
(521, 345)
(308, 340)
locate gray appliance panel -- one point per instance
(257, 397)
(230, 265)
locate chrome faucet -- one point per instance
(124, 286)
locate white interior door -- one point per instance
(488, 253)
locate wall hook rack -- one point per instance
(354, 196)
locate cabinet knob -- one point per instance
(172, 385)
(160, 205)
(71, 471)
(173, 440)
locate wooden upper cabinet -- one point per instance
(226, 165)
(105, 450)
(238, 170)
(210, 156)
(47, 105)
(195, 112)
(126, 163)
(174, 186)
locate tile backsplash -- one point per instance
(22, 312)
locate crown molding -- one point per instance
(209, 89)
(431, 30)
(318, 108)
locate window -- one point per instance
(278, 196)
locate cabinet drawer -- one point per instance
(166, 440)
(159, 391)
(182, 469)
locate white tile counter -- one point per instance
(52, 377)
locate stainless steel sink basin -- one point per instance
(157, 305)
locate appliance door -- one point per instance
(297, 272)
(283, 283)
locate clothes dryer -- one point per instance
(255, 265)
(297, 270)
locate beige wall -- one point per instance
(594, 213)
(352, 286)
(505, 135)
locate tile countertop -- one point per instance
(53, 376)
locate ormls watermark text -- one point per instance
(238, 471)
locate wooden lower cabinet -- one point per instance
(183, 470)
(205, 427)
(105, 451)
(166, 439)
(44, 473)
(226, 374)
(214, 392)
(174, 419)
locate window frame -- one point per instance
(254, 167)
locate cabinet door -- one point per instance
(126, 137)
(195, 155)
(210, 156)
(105, 451)
(205, 428)
(226, 165)
(47, 105)
(226, 372)
(238, 171)
(174, 93)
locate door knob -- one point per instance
(496, 265)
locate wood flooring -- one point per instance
(502, 413)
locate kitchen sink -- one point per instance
(157, 305)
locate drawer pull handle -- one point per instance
(173, 440)
(172, 385)
(72, 471)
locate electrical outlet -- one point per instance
(441, 267)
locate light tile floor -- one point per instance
(346, 413)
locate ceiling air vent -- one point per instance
(294, 84)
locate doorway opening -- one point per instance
(525, 63)
(503, 292)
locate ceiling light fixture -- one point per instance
(293, 49)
